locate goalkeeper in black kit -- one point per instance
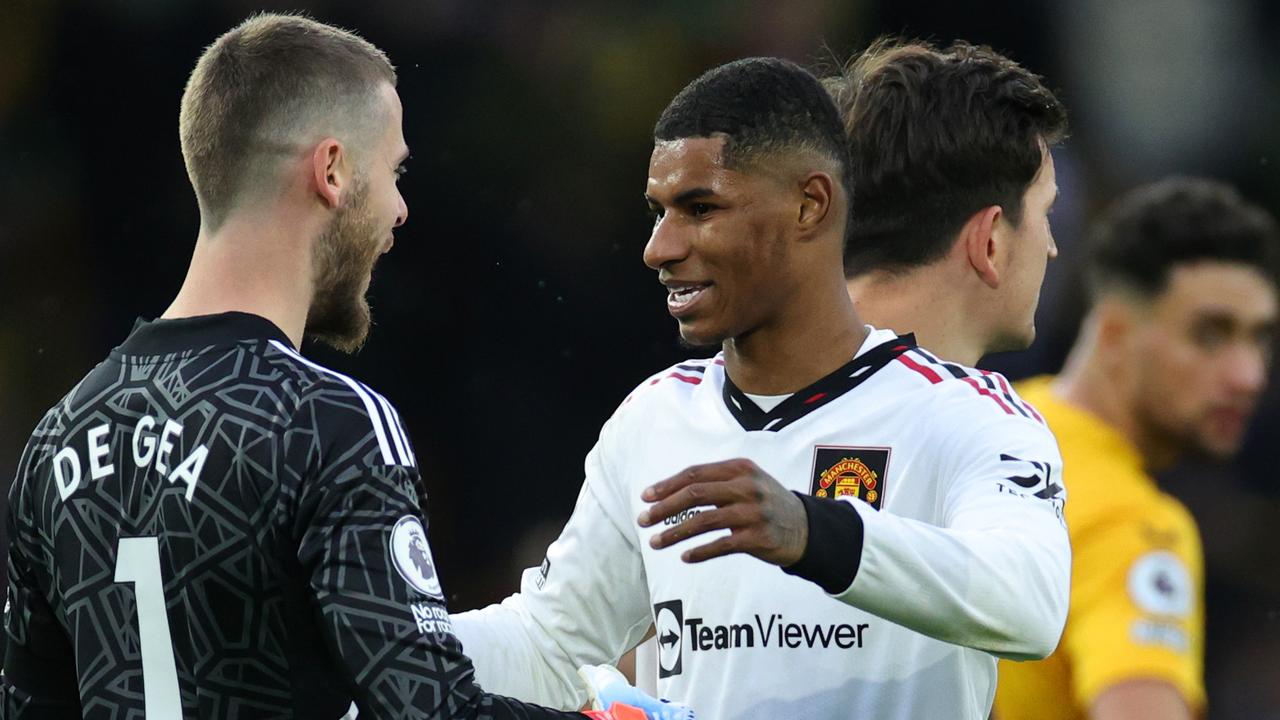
(209, 525)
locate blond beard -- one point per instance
(343, 261)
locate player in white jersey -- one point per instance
(917, 515)
(928, 246)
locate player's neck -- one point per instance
(251, 264)
(1105, 390)
(921, 302)
(813, 336)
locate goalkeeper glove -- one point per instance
(617, 712)
(609, 690)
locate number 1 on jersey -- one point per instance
(138, 562)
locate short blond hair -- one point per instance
(264, 89)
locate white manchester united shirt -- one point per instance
(940, 498)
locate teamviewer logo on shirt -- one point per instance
(668, 620)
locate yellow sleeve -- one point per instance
(1137, 609)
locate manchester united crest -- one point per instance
(858, 472)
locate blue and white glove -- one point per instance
(606, 686)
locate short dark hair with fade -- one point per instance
(763, 106)
(1152, 229)
(934, 137)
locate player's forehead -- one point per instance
(678, 165)
(393, 138)
(1234, 291)
(1045, 182)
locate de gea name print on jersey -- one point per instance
(151, 449)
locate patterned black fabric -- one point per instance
(270, 506)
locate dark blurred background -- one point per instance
(515, 312)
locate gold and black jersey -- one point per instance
(1137, 603)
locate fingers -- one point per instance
(694, 486)
(728, 545)
(711, 472)
(739, 503)
(728, 518)
(696, 495)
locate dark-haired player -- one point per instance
(210, 525)
(1171, 360)
(917, 517)
(953, 183)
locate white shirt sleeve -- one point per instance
(996, 575)
(588, 604)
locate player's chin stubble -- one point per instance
(1181, 439)
(343, 260)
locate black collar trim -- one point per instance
(162, 337)
(801, 403)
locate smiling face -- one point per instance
(359, 233)
(719, 240)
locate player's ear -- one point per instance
(1116, 319)
(329, 173)
(982, 246)
(817, 194)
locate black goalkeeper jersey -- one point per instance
(211, 526)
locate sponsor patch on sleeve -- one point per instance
(1033, 477)
(543, 572)
(1154, 632)
(411, 556)
(431, 619)
(1160, 584)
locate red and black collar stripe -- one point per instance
(842, 380)
(986, 383)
